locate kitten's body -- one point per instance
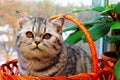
(41, 51)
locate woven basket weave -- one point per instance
(101, 70)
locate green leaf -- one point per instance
(74, 37)
(78, 10)
(107, 6)
(73, 27)
(117, 8)
(98, 8)
(98, 31)
(81, 10)
(70, 28)
(117, 70)
(113, 5)
(116, 25)
(111, 39)
(106, 12)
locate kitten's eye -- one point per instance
(29, 34)
(47, 36)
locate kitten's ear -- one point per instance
(58, 23)
(21, 19)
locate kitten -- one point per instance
(42, 52)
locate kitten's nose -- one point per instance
(37, 42)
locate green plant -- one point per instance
(99, 27)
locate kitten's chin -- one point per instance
(37, 51)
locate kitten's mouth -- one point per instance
(37, 48)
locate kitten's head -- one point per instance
(39, 37)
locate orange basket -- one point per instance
(101, 70)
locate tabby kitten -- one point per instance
(42, 52)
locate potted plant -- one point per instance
(99, 27)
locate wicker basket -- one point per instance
(101, 70)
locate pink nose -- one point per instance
(37, 42)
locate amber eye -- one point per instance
(47, 36)
(29, 34)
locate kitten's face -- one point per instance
(39, 37)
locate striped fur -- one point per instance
(41, 51)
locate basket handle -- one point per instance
(88, 37)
